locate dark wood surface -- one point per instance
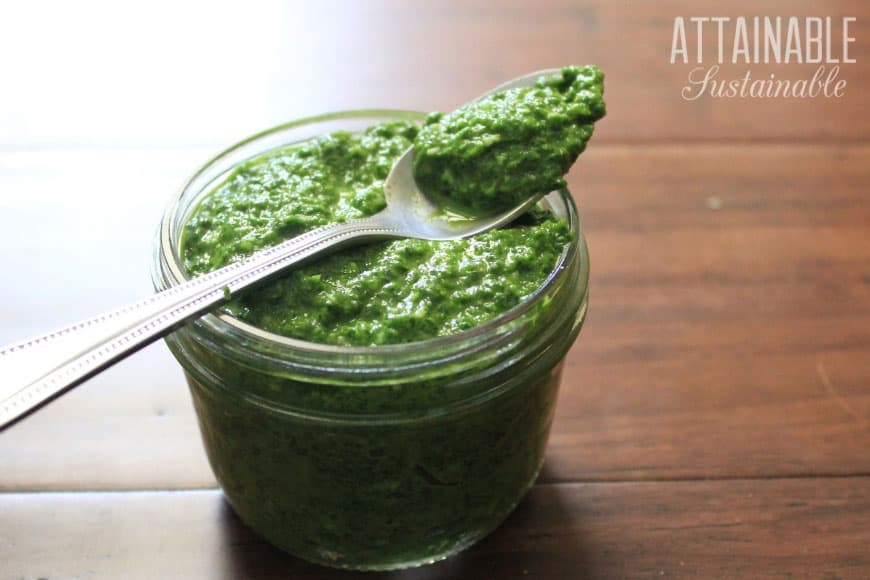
(714, 418)
(798, 528)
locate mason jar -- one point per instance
(382, 457)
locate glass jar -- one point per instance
(374, 458)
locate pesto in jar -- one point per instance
(361, 469)
(381, 293)
(406, 290)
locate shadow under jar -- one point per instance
(384, 457)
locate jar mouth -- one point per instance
(168, 270)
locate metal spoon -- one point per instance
(36, 370)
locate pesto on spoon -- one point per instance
(494, 153)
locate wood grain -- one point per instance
(290, 59)
(760, 529)
(724, 339)
(714, 418)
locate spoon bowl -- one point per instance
(419, 215)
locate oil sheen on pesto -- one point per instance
(493, 154)
(383, 293)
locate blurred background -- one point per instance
(729, 328)
(181, 74)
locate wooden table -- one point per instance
(714, 418)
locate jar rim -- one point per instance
(167, 270)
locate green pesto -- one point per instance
(377, 494)
(383, 293)
(493, 154)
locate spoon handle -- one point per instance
(34, 371)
